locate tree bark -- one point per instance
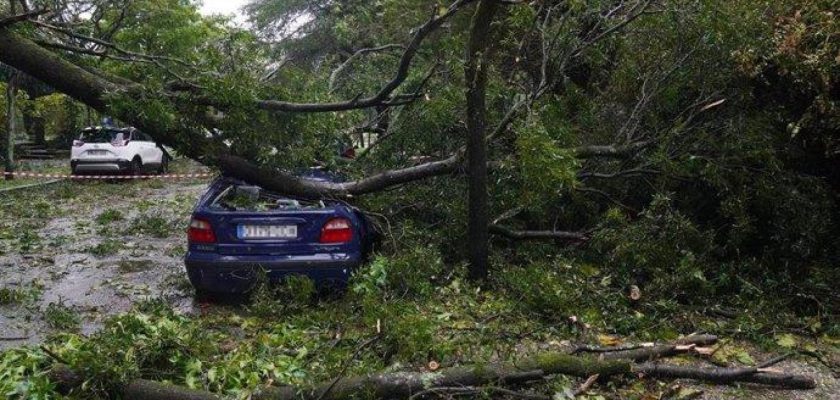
(537, 235)
(11, 126)
(405, 384)
(476, 81)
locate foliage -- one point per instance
(154, 226)
(108, 216)
(21, 294)
(61, 317)
(409, 273)
(106, 247)
(662, 251)
(549, 169)
(23, 375)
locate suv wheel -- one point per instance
(164, 165)
(136, 166)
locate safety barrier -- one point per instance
(83, 177)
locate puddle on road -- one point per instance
(98, 268)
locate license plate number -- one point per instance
(267, 231)
(97, 152)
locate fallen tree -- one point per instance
(407, 384)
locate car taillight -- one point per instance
(336, 230)
(78, 143)
(200, 231)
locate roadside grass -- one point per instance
(60, 317)
(20, 295)
(150, 225)
(109, 216)
(133, 266)
(106, 247)
(61, 167)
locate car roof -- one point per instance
(310, 174)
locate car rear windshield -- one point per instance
(103, 136)
(254, 198)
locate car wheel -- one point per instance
(136, 166)
(164, 165)
(203, 296)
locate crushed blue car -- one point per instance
(238, 230)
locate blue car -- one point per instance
(239, 229)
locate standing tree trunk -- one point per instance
(476, 81)
(32, 121)
(9, 155)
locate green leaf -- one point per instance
(786, 340)
(744, 358)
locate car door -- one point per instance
(149, 151)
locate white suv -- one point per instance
(116, 150)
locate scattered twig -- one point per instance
(586, 385)
(13, 338)
(469, 390)
(773, 361)
(599, 349)
(53, 355)
(348, 362)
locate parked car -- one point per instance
(238, 229)
(116, 150)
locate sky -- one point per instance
(225, 7)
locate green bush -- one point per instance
(662, 251)
(412, 271)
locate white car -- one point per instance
(117, 150)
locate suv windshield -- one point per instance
(104, 136)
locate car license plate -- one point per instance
(267, 231)
(97, 152)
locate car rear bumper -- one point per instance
(113, 165)
(216, 273)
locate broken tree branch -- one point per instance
(384, 94)
(536, 235)
(11, 20)
(586, 385)
(338, 70)
(610, 151)
(415, 384)
(725, 375)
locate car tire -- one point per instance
(203, 296)
(164, 165)
(136, 166)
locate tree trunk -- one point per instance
(406, 384)
(9, 156)
(32, 121)
(476, 80)
(34, 126)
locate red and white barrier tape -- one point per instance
(81, 177)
